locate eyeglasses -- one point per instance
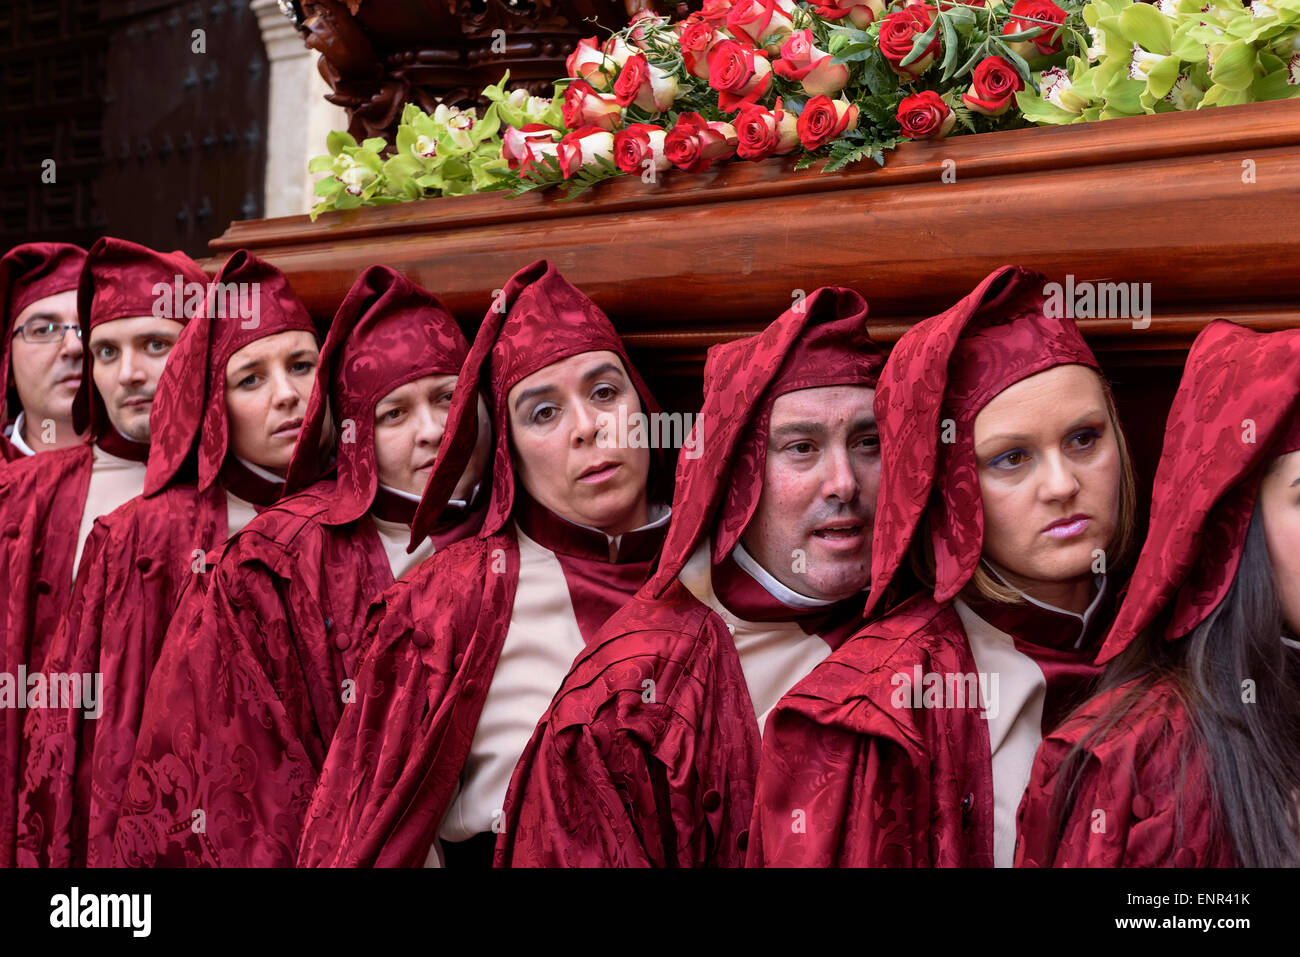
(44, 332)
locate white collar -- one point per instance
(16, 437)
(259, 471)
(782, 593)
(1085, 619)
(400, 493)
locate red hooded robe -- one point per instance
(649, 752)
(1150, 776)
(252, 683)
(48, 502)
(138, 561)
(28, 273)
(466, 654)
(859, 768)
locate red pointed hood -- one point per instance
(944, 371)
(538, 319)
(30, 272)
(387, 332)
(821, 341)
(249, 299)
(122, 280)
(1237, 408)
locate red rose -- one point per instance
(638, 143)
(925, 116)
(694, 145)
(635, 72)
(993, 87)
(581, 148)
(1041, 45)
(762, 132)
(583, 106)
(525, 146)
(897, 32)
(762, 21)
(823, 119)
(715, 12)
(812, 68)
(861, 13)
(698, 38)
(587, 62)
(738, 73)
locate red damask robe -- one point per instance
(250, 688)
(649, 753)
(1145, 798)
(411, 744)
(136, 564)
(860, 768)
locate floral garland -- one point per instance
(837, 82)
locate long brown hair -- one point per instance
(1252, 747)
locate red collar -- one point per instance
(565, 538)
(243, 482)
(115, 443)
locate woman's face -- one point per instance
(556, 415)
(1050, 472)
(268, 383)
(1279, 497)
(410, 423)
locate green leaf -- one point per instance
(320, 164)
(949, 47)
(376, 144)
(920, 43)
(806, 160)
(329, 186)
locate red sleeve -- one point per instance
(400, 746)
(646, 758)
(829, 796)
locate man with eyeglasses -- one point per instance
(40, 358)
(132, 304)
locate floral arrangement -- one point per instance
(1173, 55)
(834, 81)
(839, 81)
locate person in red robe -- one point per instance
(1188, 756)
(1006, 481)
(40, 358)
(464, 657)
(132, 304)
(253, 680)
(648, 754)
(228, 410)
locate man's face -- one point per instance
(128, 356)
(268, 383)
(812, 527)
(410, 423)
(47, 374)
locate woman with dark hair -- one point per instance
(1006, 484)
(1189, 755)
